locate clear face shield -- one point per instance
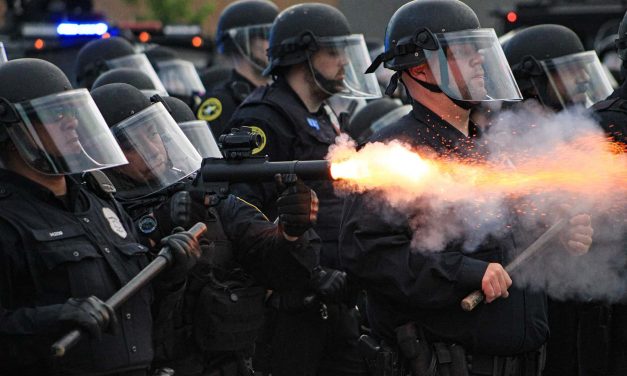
(252, 43)
(470, 65)
(338, 67)
(576, 79)
(3, 54)
(158, 152)
(141, 62)
(63, 134)
(180, 78)
(199, 134)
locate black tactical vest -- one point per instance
(223, 305)
(314, 134)
(77, 255)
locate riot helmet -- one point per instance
(101, 55)
(375, 116)
(55, 129)
(197, 131)
(319, 36)
(243, 29)
(179, 76)
(463, 60)
(552, 66)
(158, 152)
(131, 76)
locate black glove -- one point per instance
(91, 314)
(329, 284)
(184, 250)
(297, 206)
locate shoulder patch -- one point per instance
(210, 109)
(313, 123)
(252, 206)
(260, 132)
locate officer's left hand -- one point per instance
(185, 251)
(297, 206)
(577, 236)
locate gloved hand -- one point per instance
(91, 314)
(297, 206)
(185, 251)
(329, 284)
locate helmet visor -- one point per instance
(180, 77)
(339, 64)
(252, 42)
(137, 61)
(577, 79)
(64, 134)
(470, 65)
(159, 154)
(199, 134)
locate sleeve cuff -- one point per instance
(471, 272)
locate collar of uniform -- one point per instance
(281, 83)
(22, 183)
(620, 92)
(443, 127)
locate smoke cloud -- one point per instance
(537, 164)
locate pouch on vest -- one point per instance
(229, 315)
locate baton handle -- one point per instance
(472, 300)
(60, 347)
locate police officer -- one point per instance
(179, 76)
(612, 116)
(611, 112)
(242, 37)
(65, 244)
(414, 297)
(551, 66)
(312, 57)
(243, 251)
(101, 55)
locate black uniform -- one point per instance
(612, 114)
(403, 285)
(54, 248)
(219, 104)
(609, 329)
(303, 341)
(243, 254)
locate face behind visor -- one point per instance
(338, 65)
(64, 133)
(158, 152)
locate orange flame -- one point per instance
(589, 166)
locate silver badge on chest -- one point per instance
(114, 222)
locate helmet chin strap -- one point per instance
(436, 89)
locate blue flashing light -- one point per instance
(74, 29)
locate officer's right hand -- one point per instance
(91, 314)
(297, 206)
(495, 282)
(185, 251)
